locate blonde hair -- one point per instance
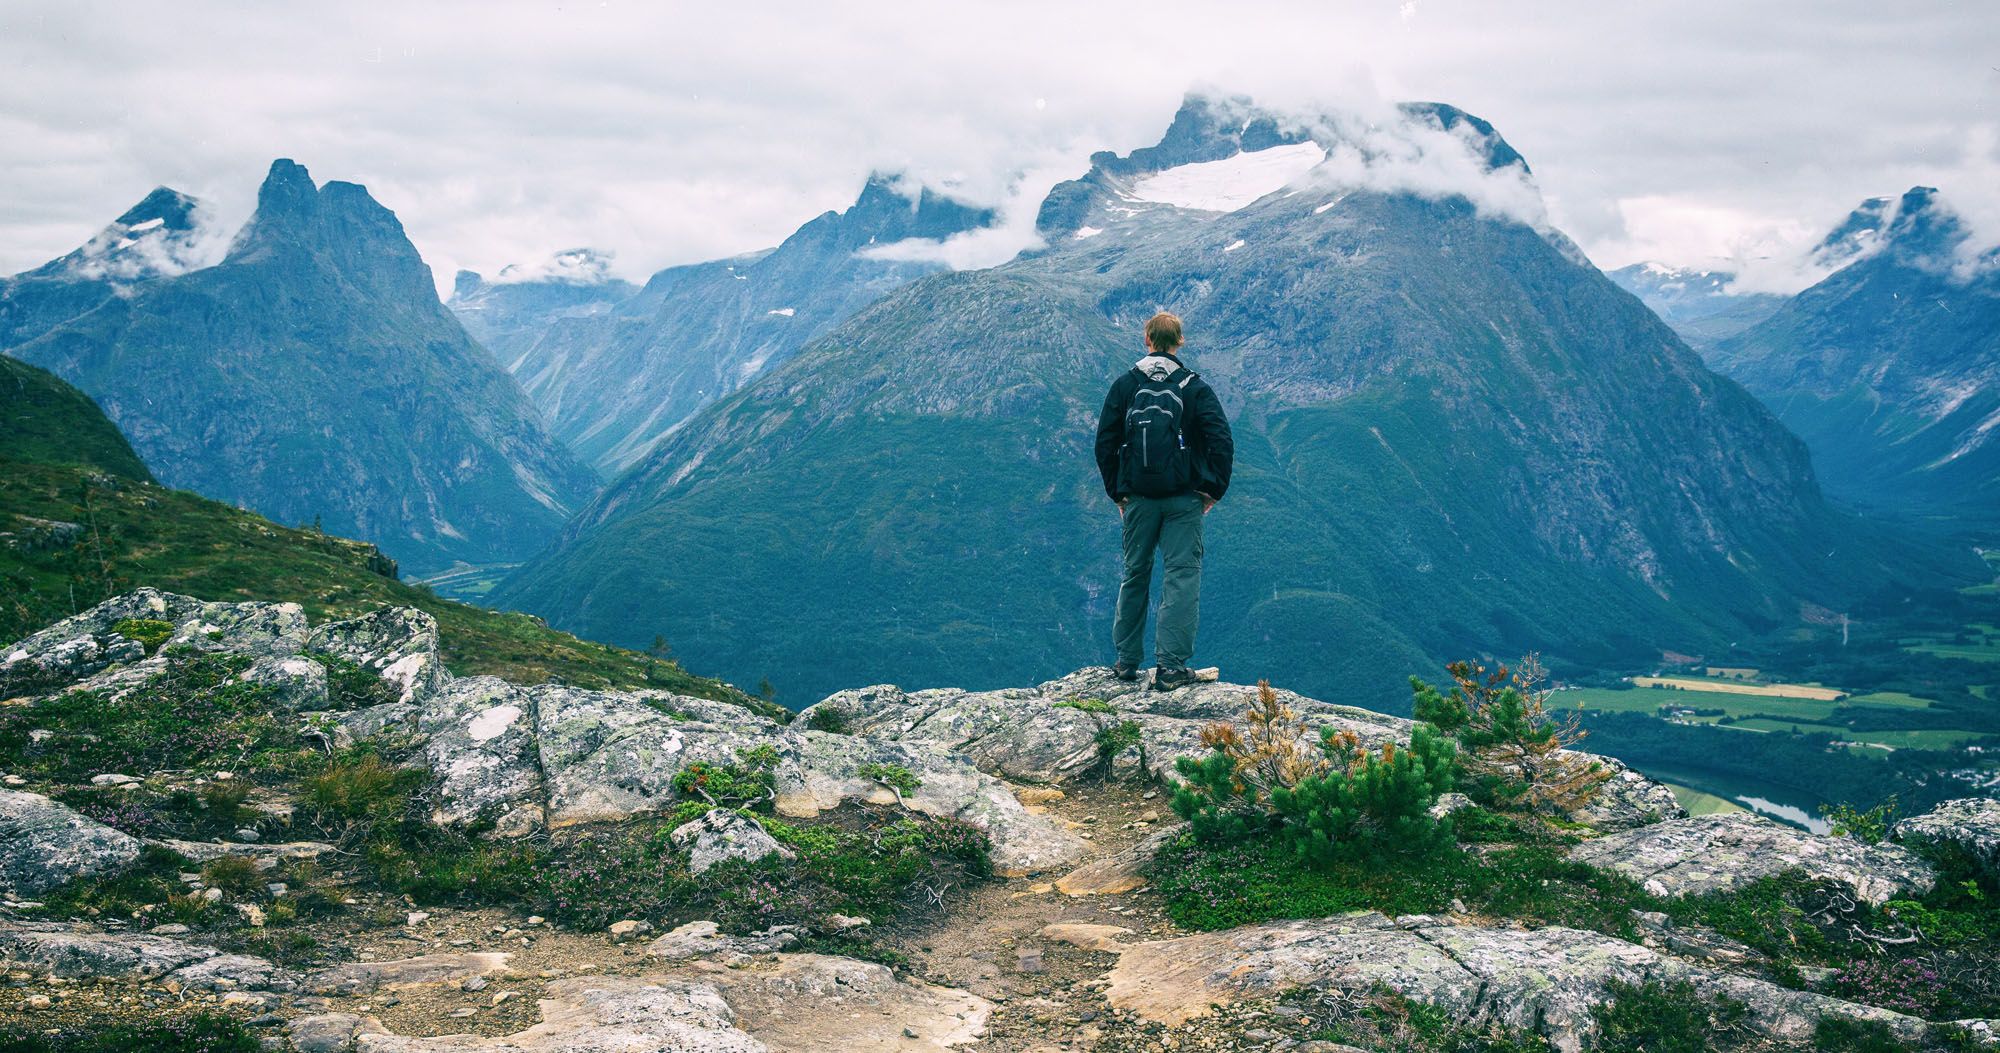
(1163, 332)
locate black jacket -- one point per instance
(1206, 429)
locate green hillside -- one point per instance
(81, 520)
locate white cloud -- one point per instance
(148, 249)
(670, 133)
(1011, 233)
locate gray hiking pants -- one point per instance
(1172, 527)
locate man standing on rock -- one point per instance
(1164, 449)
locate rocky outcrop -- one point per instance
(1048, 734)
(1717, 853)
(513, 759)
(1544, 981)
(720, 836)
(1972, 825)
(43, 845)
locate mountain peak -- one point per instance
(161, 235)
(287, 187)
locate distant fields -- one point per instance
(1778, 708)
(1735, 686)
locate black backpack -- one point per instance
(1155, 459)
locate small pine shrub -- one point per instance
(194, 1033)
(1339, 799)
(1087, 705)
(1516, 753)
(1374, 799)
(1114, 739)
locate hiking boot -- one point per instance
(1127, 673)
(1167, 679)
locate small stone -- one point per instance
(1030, 961)
(628, 928)
(265, 1020)
(14, 780)
(460, 1014)
(38, 1001)
(536, 919)
(113, 779)
(502, 996)
(474, 983)
(844, 922)
(909, 1033)
(416, 917)
(247, 835)
(277, 888)
(213, 895)
(224, 776)
(170, 929)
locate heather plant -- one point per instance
(1905, 984)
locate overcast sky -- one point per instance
(1691, 131)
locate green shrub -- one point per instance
(1346, 800)
(224, 798)
(1375, 800)
(829, 719)
(1087, 705)
(895, 776)
(350, 685)
(1515, 754)
(148, 632)
(1114, 739)
(1664, 1018)
(749, 781)
(1868, 827)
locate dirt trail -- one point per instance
(989, 942)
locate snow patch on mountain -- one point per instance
(124, 253)
(1231, 183)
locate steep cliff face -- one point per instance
(1452, 436)
(615, 372)
(312, 375)
(1889, 369)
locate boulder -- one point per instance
(399, 644)
(819, 771)
(720, 835)
(1544, 981)
(1971, 824)
(1717, 853)
(787, 1003)
(74, 651)
(360, 978)
(80, 951)
(299, 684)
(704, 939)
(44, 845)
(483, 755)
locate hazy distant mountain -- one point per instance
(310, 374)
(1453, 438)
(1700, 305)
(1890, 368)
(615, 370)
